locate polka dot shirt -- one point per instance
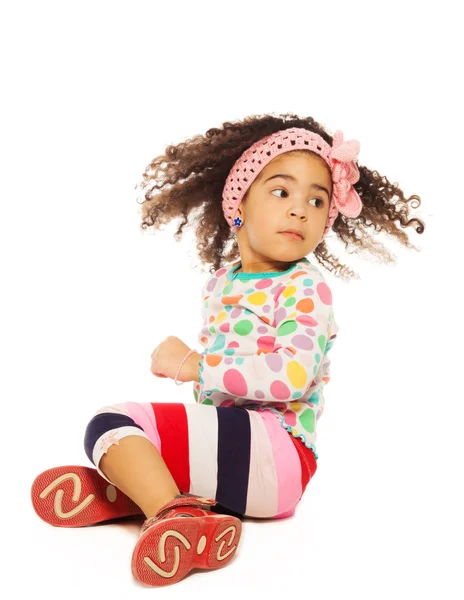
(265, 340)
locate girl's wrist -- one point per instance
(194, 365)
(190, 366)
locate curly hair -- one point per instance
(188, 179)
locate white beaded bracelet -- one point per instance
(180, 366)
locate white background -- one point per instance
(92, 91)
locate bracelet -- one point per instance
(180, 366)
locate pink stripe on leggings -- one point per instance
(144, 415)
(287, 463)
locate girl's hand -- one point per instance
(166, 358)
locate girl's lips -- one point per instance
(292, 236)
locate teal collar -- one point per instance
(246, 276)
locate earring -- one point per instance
(238, 221)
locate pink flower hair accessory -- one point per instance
(341, 158)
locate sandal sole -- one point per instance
(169, 549)
(76, 496)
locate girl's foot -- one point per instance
(183, 535)
(73, 496)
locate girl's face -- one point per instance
(274, 204)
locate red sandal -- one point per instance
(74, 496)
(183, 535)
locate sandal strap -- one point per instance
(182, 500)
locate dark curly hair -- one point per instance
(192, 174)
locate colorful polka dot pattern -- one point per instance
(265, 343)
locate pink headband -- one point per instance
(340, 157)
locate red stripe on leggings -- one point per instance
(307, 459)
(172, 425)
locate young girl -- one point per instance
(273, 186)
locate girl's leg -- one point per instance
(241, 458)
(170, 544)
(244, 459)
(135, 466)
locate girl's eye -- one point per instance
(278, 190)
(321, 202)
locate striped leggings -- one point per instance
(244, 459)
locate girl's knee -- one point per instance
(105, 419)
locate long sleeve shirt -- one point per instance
(266, 337)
